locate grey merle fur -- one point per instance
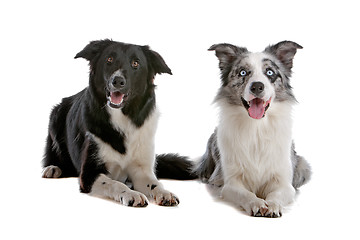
(280, 60)
(230, 63)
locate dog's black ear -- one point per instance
(226, 53)
(93, 49)
(285, 52)
(155, 61)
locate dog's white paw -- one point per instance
(257, 208)
(274, 210)
(165, 198)
(131, 198)
(51, 172)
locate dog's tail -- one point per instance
(174, 166)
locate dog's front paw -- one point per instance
(51, 172)
(257, 208)
(165, 198)
(131, 198)
(274, 210)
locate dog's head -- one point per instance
(121, 73)
(255, 80)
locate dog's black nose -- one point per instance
(257, 88)
(119, 82)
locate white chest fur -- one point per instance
(139, 144)
(255, 151)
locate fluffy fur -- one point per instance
(250, 156)
(105, 133)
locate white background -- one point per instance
(38, 43)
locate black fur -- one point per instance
(74, 121)
(173, 166)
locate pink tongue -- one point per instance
(256, 109)
(116, 97)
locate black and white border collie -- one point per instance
(250, 156)
(105, 133)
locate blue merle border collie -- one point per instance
(105, 134)
(251, 155)
(250, 158)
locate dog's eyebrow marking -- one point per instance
(265, 60)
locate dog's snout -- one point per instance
(119, 82)
(257, 88)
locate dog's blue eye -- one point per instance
(243, 73)
(269, 72)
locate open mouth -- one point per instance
(115, 99)
(257, 107)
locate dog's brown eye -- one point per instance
(135, 64)
(109, 60)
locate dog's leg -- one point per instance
(106, 187)
(281, 195)
(57, 162)
(235, 192)
(144, 181)
(302, 171)
(51, 159)
(93, 179)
